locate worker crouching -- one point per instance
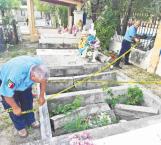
(16, 79)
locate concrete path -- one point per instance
(150, 135)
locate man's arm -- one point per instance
(133, 35)
(12, 103)
(136, 40)
(42, 92)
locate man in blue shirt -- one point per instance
(129, 37)
(16, 79)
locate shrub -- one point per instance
(105, 27)
(134, 96)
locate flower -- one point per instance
(81, 139)
(89, 53)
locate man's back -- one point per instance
(130, 33)
(15, 74)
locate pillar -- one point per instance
(155, 52)
(70, 18)
(31, 18)
(78, 15)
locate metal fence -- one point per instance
(147, 29)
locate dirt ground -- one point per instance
(141, 75)
(8, 135)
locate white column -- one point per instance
(70, 18)
(78, 15)
(154, 60)
(32, 29)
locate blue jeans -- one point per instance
(126, 45)
(25, 100)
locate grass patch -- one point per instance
(5, 121)
(16, 50)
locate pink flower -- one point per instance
(81, 139)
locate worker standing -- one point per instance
(16, 79)
(129, 37)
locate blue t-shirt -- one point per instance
(15, 74)
(130, 33)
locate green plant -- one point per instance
(112, 102)
(78, 124)
(105, 27)
(108, 91)
(92, 121)
(99, 120)
(63, 109)
(135, 96)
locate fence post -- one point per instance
(2, 45)
(155, 52)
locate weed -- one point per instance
(134, 96)
(92, 121)
(63, 109)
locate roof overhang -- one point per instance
(65, 2)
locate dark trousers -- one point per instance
(25, 100)
(126, 45)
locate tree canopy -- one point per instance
(9, 4)
(61, 12)
(125, 9)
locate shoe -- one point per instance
(117, 66)
(35, 124)
(127, 63)
(23, 133)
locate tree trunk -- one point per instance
(2, 43)
(94, 11)
(15, 31)
(2, 12)
(115, 4)
(41, 14)
(118, 29)
(126, 17)
(115, 7)
(95, 8)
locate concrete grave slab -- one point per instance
(140, 58)
(98, 96)
(149, 135)
(93, 96)
(59, 121)
(131, 112)
(56, 84)
(62, 57)
(113, 130)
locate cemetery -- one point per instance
(91, 71)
